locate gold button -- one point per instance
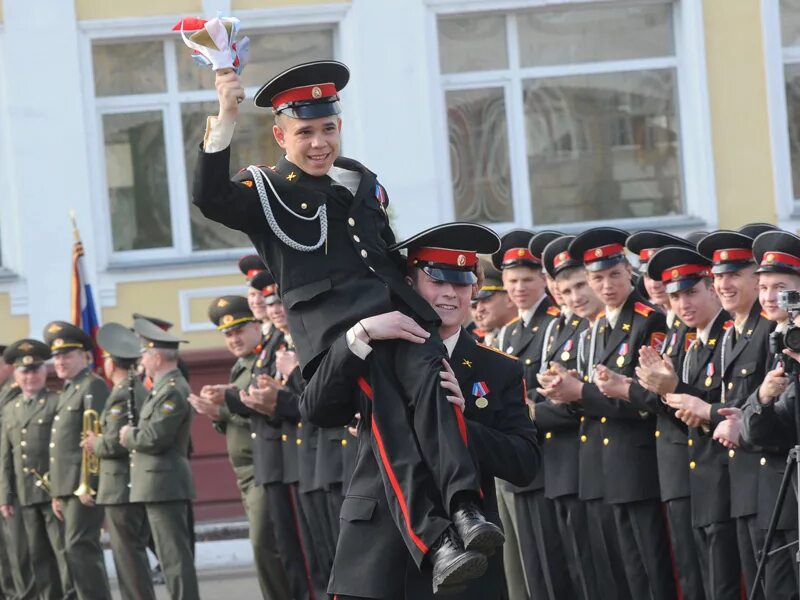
(298, 441)
(603, 419)
(730, 385)
(52, 460)
(57, 417)
(527, 361)
(351, 221)
(744, 371)
(304, 206)
(24, 431)
(658, 433)
(133, 451)
(299, 425)
(131, 464)
(284, 438)
(252, 436)
(605, 441)
(23, 443)
(24, 469)
(692, 465)
(53, 430)
(731, 453)
(52, 444)
(356, 238)
(40, 421)
(364, 253)
(344, 442)
(691, 442)
(548, 435)
(129, 485)
(583, 418)
(24, 457)
(763, 461)
(77, 387)
(583, 439)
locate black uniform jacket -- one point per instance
(590, 452)
(629, 454)
(746, 361)
(559, 424)
(351, 276)
(527, 341)
(672, 436)
(371, 558)
(708, 460)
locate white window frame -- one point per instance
(696, 153)
(180, 253)
(775, 60)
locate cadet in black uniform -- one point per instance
(628, 434)
(745, 358)
(496, 428)
(540, 543)
(319, 221)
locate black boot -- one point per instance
(452, 564)
(477, 533)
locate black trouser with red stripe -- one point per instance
(419, 439)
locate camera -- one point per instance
(788, 300)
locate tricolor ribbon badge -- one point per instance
(480, 389)
(568, 346)
(623, 349)
(380, 195)
(710, 369)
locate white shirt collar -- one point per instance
(612, 315)
(670, 318)
(702, 334)
(345, 178)
(450, 343)
(527, 315)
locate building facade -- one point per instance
(676, 114)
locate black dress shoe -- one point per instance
(477, 533)
(453, 565)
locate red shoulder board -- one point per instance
(496, 350)
(643, 309)
(657, 339)
(727, 325)
(553, 311)
(763, 314)
(688, 340)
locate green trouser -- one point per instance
(169, 525)
(129, 532)
(16, 559)
(45, 536)
(271, 574)
(82, 546)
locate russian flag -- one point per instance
(480, 389)
(84, 314)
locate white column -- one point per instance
(47, 165)
(388, 106)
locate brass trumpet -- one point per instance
(90, 464)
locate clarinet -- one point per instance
(132, 397)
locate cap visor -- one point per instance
(451, 275)
(606, 263)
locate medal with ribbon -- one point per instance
(709, 374)
(623, 352)
(480, 390)
(566, 350)
(672, 341)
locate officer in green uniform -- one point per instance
(24, 452)
(126, 522)
(16, 572)
(234, 319)
(83, 390)
(161, 477)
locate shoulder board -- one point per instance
(643, 309)
(496, 350)
(688, 339)
(727, 325)
(763, 315)
(514, 320)
(553, 311)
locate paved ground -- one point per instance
(234, 583)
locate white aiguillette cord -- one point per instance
(322, 214)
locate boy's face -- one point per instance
(655, 289)
(524, 285)
(613, 285)
(738, 290)
(311, 144)
(697, 305)
(769, 285)
(255, 300)
(451, 301)
(276, 314)
(578, 296)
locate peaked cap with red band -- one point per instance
(678, 267)
(645, 243)
(514, 251)
(599, 248)
(777, 252)
(265, 282)
(556, 257)
(306, 91)
(540, 240)
(251, 264)
(730, 251)
(449, 252)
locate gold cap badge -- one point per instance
(316, 92)
(461, 260)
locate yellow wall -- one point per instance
(160, 299)
(248, 4)
(115, 9)
(14, 327)
(1, 11)
(739, 112)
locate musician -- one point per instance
(83, 390)
(126, 521)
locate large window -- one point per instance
(562, 115)
(152, 103)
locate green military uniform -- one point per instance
(81, 523)
(228, 312)
(126, 522)
(161, 477)
(24, 457)
(16, 571)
